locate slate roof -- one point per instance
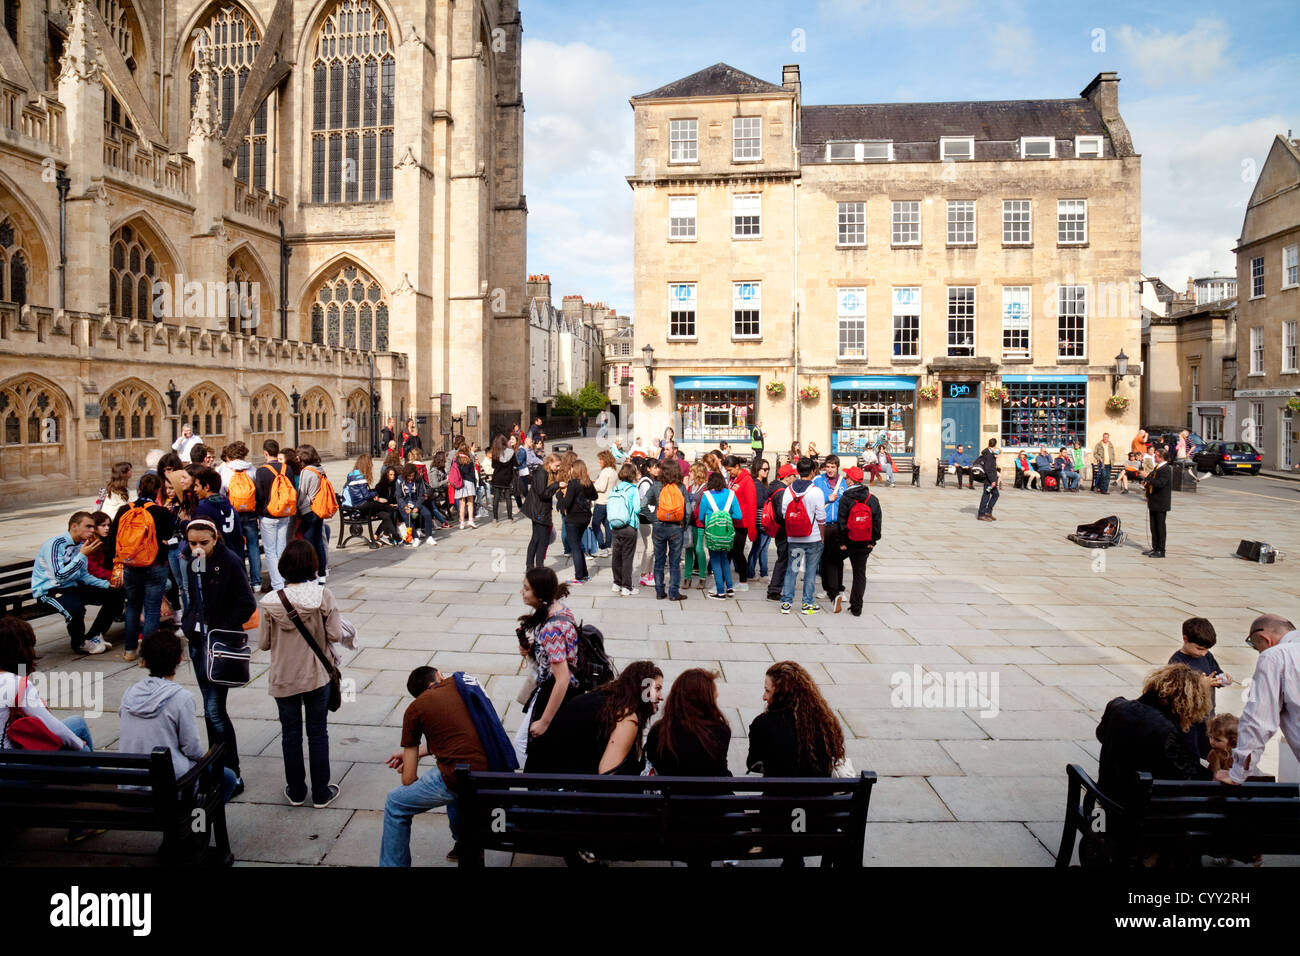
(717, 80)
(915, 128)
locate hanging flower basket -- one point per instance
(810, 393)
(649, 392)
(1117, 403)
(928, 392)
(1293, 404)
(996, 393)
(776, 389)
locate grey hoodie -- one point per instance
(157, 712)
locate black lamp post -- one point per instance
(374, 423)
(294, 397)
(173, 397)
(648, 354)
(1121, 369)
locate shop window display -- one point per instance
(1044, 414)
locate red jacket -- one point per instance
(743, 486)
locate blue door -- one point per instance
(961, 417)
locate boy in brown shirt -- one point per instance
(438, 714)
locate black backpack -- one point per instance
(594, 667)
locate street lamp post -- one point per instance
(294, 397)
(648, 354)
(173, 396)
(1121, 369)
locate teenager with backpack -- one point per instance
(277, 501)
(62, 580)
(648, 490)
(138, 541)
(411, 492)
(576, 493)
(858, 531)
(504, 470)
(604, 482)
(540, 506)
(831, 484)
(239, 485)
(462, 475)
(697, 555)
(214, 506)
(773, 524)
(623, 511)
(548, 635)
(316, 505)
(988, 464)
(358, 494)
(671, 521)
(220, 600)
(741, 482)
(762, 488)
(804, 517)
(720, 512)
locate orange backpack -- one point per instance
(137, 538)
(243, 493)
(672, 504)
(326, 502)
(282, 500)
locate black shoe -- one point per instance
(773, 597)
(661, 597)
(1157, 554)
(239, 787)
(1148, 552)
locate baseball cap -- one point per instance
(854, 473)
(785, 471)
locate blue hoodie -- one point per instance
(216, 508)
(832, 507)
(357, 490)
(497, 747)
(60, 564)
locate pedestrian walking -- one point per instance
(623, 511)
(671, 522)
(1104, 456)
(648, 490)
(1159, 486)
(276, 503)
(804, 516)
(831, 484)
(742, 483)
(858, 529)
(762, 488)
(540, 507)
(575, 495)
(605, 482)
(988, 461)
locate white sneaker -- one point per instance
(178, 617)
(628, 592)
(615, 588)
(429, 540)
(473, 525)
(95, 646)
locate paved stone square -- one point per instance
(1063, 629)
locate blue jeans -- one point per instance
(668, 545)
(249, 523)
(144, 593)
(600, 527)
(1070, 479)
(1103, 479)
(316, 705)
(989, 498)
(720, 565)
(275, 537)
(221, 729)
(312, 527)
(758, 555)
(573, 541)
(78, 726)
(176, 565)
(402, 804)
(812, 556)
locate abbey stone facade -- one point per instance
(225, 204)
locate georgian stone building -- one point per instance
(240, 201)
(565, 344)
(821, 269)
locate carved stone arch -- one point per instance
(323, 316)
(318, 423)
(34, 423)
(270, 415)
(24, 256)
(208, 409)
(253, 307)
(140, 253)
(132, 422)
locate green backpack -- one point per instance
(719, 532)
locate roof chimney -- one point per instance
(790, 80)
(1103, 92)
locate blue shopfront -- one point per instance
(864, 408)
(708, 409)
(1045, 411)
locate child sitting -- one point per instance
(1223, 740)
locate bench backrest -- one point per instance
(1256, 813)
(38, 786)
(673, 818)
(16, 587)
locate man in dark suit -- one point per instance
(1159, 482)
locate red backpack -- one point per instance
(797, 522)
(860, 523)
(768, 519)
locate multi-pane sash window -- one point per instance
(907, 321)
(906, 224)
(1016, 222)
(746, 215)
(961, 222)
(683, 141)
(681, 310)
(1256, 351)
(746, 306)
(1015, 321)
(1071, 321)
(747, 138)
(1289, 346)
(1072, 221)
(852, 311)
(681, 217)
(1290, 266)
(961, 320)
(851, 224)
(1256, 277)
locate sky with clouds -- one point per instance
(1204, 89)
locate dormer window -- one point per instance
(1088, 147)
(956, 147)
(1037, 147)
(859, 152)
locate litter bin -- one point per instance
(1183, 479)
(561, 447)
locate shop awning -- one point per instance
(873, 382)
(715, 383)
(1044, 378)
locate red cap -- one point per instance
(854, 474)
(785, 471)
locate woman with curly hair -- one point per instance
(798, 734)
(602, 731)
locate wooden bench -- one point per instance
(79, 789)
(16, 592)
(1185, 819)
(353, 523)
(692, 819)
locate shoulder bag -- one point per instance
(336, 679)
(227, 655)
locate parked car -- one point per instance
(1168, 435)
(1229, 458)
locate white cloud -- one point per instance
(907, 12)
(1161, 57)
(1011, 49)
(577, 150)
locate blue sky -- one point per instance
(1204, 88)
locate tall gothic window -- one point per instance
(133, 267)
(353, 78)
(11, 19)
(243, 300)
(233, 39)
(350, 312)
(13, 263)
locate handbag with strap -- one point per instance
(24, 732)
(336, 678)
(227, 655)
